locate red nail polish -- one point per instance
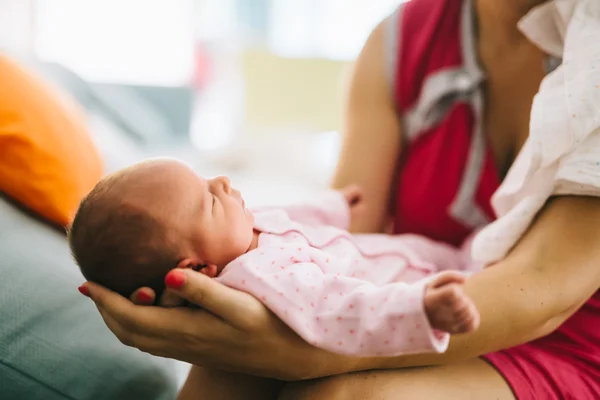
(84, 291)
(144, 297)
(175, 279)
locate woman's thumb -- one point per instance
(201, 290)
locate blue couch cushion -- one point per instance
(53, 342)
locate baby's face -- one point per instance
(206, 216)
(224, 227)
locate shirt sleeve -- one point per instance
(335, 312)
(329, 209)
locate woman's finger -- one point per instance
(101, 297)
(166, 332)
(144, 296)
(172, 332)
(169, 298)
(114, 305)
(104, 297)
(125, 336)
(237, 308)
(127, 319)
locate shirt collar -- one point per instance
(546, 25)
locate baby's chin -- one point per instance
(249, 215)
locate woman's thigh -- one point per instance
(474, 379)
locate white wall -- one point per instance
(16, 22)
(119, 41)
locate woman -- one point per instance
(436, 71)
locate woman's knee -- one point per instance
(341, 387)
(472, 379)
(355, 386)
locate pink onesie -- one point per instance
(359, 295)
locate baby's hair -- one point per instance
(118, 244)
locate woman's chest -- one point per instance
(509, 92)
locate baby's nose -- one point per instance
(223, 180)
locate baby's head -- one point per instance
(139, 223)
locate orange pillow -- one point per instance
(48, 161)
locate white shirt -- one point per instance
(562, 152)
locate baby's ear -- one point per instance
(209, 270)
(196, 265)
(190, 263)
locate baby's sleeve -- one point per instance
(339, 313)
(329, 209)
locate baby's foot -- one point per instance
(447, 306)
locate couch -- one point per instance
(53, 342)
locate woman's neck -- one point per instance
(497, 19)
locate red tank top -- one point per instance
(447, 177)
(447, 173)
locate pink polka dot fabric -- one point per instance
(352, 294)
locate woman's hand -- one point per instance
(354, 196)
(233, 331)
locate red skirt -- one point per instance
(563, 365)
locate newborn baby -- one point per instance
(353, 294)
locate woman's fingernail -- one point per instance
(144, 297)
(175, 279)
(84, 290)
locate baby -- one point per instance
(362, 295)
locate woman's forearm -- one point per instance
(515, 308)
(511, 314)
(212, 384)
(544, 280)
(550, 273)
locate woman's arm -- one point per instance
(371, 136)
(553, 270)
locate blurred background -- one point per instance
(250, 88)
